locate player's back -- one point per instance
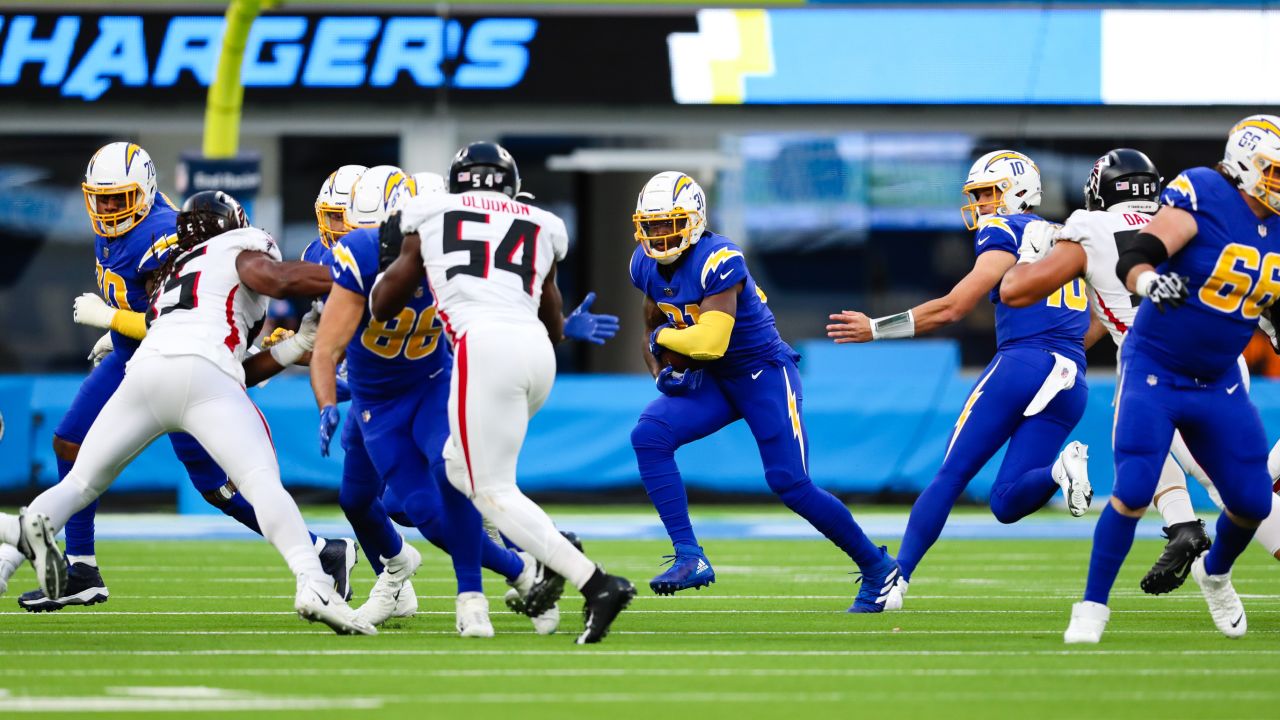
(1100, 234)
(1058, 323)
(123, 263)
(203, 309)
(486, 255)
(386, 357)
(1232, 269)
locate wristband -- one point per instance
(288, 352)
(1143, 284)
(902, 325)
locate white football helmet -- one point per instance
(1014, 180)
(428, 182)
(332, 202)
(379, 192)
(671, 214)
(1252, 158)
(119, 188)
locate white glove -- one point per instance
(101, 349)
(1037, 240)
(90, 309)
(300, 343)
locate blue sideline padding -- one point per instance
(878, 418)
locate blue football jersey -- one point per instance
(123, 263)
(383, 358)
(710, 267)
(1232, 267)
(1058, 323)
(316, 252)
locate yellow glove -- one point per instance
(276, 337)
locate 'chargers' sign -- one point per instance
(90, 57)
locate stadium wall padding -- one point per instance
(878, 418)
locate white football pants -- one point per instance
(189, 394)
(502, 374)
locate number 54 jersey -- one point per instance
(1232, 267)
(486, 255)
(384, 358)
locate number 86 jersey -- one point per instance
(1232, 267)
(486, 255)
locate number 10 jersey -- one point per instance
(486, 255)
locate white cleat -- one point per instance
(317, 601)
(1224, 604)
(523, 583)
(473, 615)
(1088, 620)
(38, 542)
(897, 594)
(392, 594)
(548, 622)
(1071, 472)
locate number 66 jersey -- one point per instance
(1232, 267)
(486, 255)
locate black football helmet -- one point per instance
(1122, 176)
(484, 166)
(208, 214)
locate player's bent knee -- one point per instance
(422, 508)
(1127, 510)
(220, 497)
(354, 498)
(650, 435)
(1003, 512)
(65, 449)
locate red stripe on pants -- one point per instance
(462, 407)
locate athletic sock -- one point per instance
(830, 517)
(1228, 542)
(594, 584)
(1112, 538)
(1175, 507)
(90, 560)
(79, 528)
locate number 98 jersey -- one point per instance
(486, 255)
(384, 358)
(1232, 267)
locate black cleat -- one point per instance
(548, 587)
(600, 610)
(84, 587)
(1186, 541)
(337, 557)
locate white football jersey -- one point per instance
(1099, 232)
(486, 255)
(203, 309)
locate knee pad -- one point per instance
(653, 436)
(422, 507)
(1136, 482)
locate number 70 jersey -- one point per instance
(486, 255)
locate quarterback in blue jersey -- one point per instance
(717, 358)
(134, 225)
(1209, 266)
(1032, 393)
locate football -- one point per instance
(678, 361)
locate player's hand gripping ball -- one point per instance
(670, 358)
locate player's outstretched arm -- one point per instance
(854, 327)
(1028, 283)
(708, 338)
(586, 326)
(342, 313)
(293, 350)
(395, 285)
(91, 310)
(267, 276)
(551, 307)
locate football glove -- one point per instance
(654, 348)
(101, 349)
(1037, 240)
(291, 350)
(1166, 291)
(328, 423)
(674, 383)
(90, 309)
(276, 337)
(584, 325)
(390, 238)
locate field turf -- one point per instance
(193, 627)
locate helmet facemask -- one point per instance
(332, 222)
(976, 209)
(114, 209)
(664, 235)
(1267, 189)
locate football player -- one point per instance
(134, 227)
(502, 312)
(189, 374)
(1213, 242)
(1121, 196)
(716, 357)
(1032, 393)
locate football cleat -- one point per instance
(600, 610)
(1088, 620)
(879, 587)
(1186, 540)
(472, 612)
(37, 540)
(318, 601)
(546, 589)
(1224, 604)
(1071, 472)
(392, 595)
(689, 569)
(338, 557)
(84, 587)
(898, 596)
(549, 621)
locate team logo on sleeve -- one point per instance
(1182, 184)
(997, 222)
(717, 258)
(344, 260)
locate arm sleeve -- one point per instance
(708, 339)
(130, 324)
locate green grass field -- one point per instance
(202, 626)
